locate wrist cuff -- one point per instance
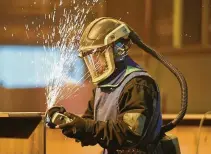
(89, 125)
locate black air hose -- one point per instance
(184, 89)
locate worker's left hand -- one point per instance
(78, 128)
(50, 112)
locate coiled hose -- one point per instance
(183, 84)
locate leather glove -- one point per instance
(79, 128)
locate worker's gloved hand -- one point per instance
(50, 113)
(80, 129)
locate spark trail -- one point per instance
(69, 27)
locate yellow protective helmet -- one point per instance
(97, 46)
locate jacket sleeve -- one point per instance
(88, 138)
(89, 112)
(129, 127)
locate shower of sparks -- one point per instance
(69, 29)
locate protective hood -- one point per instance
(97, 47)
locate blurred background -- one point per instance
(180, 30)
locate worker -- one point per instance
(123, 115)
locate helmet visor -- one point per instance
(100, 63)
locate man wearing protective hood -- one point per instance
(124, 114)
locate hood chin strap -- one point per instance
(183, 84)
